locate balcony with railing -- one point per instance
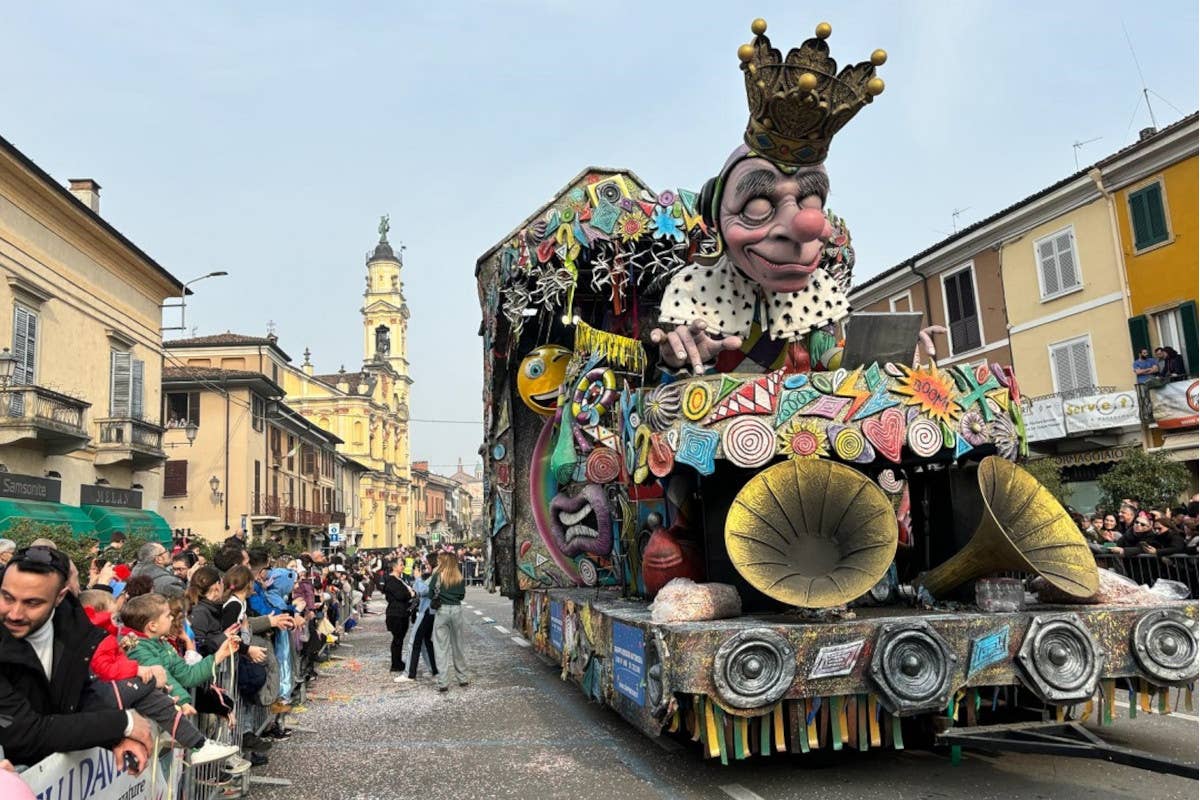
(134, 440)
(48, 418)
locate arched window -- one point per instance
(358, 432)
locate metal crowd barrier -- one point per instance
(1145, 569)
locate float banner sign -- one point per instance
(1100, 411)
(1176, 404)
(556, 626)
(1044, 419)
(91, 775)
(629, 662)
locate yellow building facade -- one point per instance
(1158, 219)
(80, 317)
(368, 409)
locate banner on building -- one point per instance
(1175, 404)
(1043, 418)
(91, 775)
(1100, 411)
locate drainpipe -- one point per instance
(1098, 179)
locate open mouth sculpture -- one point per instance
(582, 523)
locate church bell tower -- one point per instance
(385, 313)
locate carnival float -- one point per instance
(736, 512)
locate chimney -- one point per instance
(1146, 133)
(86, 191)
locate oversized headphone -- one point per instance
(710, 196)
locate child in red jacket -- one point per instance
(137, 687)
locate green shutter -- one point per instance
(1140, 219)
(1139, 333)
(1187, 319)
(1158, 217)
(1148, 218)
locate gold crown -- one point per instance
(798, 104)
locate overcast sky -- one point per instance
(266, 138)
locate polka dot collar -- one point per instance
(727, 300)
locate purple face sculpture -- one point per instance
(582, 523)
(773, 223)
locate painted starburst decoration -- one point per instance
(802, 438)
(929, 390)
(631, 226)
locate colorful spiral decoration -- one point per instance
(850, 444)
(603, 466)
(890, 482)
(924, 437)
(661, 408)
(748, 442)
(595, 394)
(697, 400)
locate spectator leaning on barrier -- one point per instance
(46, 645)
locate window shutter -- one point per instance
(24, 346)
(137, 390)
(1139, 333)
(1155, 214)
(175, 478)
(1140, 218)
(1063, 372)
(118, 404)
(1187, 321)
(1046, 262)
(1068, 275)
(1082, 365)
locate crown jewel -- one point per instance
(798, 104)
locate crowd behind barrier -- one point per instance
(283, 617)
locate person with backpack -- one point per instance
(399, 597)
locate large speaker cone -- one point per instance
(811, 533)
(1059, 659)
(913, 667)
(1024, 528)
(753, 668)
(1164, 644)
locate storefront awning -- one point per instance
(131, 522)
(13, 511)
(1088, 457)
(1180, 446)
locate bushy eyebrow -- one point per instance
(760, 181)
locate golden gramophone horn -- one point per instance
(1024, 528)
(811, 533)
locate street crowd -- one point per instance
(193, 645)
(1134, 530)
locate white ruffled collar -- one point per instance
(722, 296)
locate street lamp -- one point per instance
(214, 483)
(8, 365)
(190, 430)
(183, 299)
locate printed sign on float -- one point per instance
(556, 625)
(629, 662)
(1176, 405)
(91, 775)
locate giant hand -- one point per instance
(691, 344)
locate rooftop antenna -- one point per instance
(955, 214)
(1141, 77)
(1078, 144)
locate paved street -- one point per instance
(519, 732)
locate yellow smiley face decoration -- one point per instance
(540, 377)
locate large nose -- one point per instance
(809, 224)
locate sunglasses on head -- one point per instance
(43, 559)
